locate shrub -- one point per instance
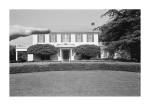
(12, 53)
(42, 50)
(22, 56)
(122, 55)
(87, 51)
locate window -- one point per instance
(41, 38)
(65, 38)
(62, 38)
(90, 38)
(79, 38)
(53, 38)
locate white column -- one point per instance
(72, 55)
(102, 54)
(60, 55)
(16, 55)
(69, 55)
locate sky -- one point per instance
(58, 20)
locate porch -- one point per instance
(64, 54)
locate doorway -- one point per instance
(66, 54)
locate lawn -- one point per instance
(75, 83)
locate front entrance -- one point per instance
(66, 54)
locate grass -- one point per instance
(75, 83)
(77, 66)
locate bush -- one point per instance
(87, 51)
(122, 55)
(42, 50)
(12, 53)
(22, 56)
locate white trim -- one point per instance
(21, 49)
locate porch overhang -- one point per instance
(65, 45)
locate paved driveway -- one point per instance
(75, 83)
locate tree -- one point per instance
(42, 50)
(93, 23)
(12, 53)
(87, 51)
(122, 31)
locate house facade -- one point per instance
(65, 41)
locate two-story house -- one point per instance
(65, 41)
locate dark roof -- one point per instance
(40, 32)
(48, 31)
(74, 32)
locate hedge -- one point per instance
(75, 67)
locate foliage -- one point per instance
(16, 35)
(122, 31)
(87, 51)
(24, 34)
(42, 49)
(123, 55)
(115, 66)
(22, 56)
(12, 53)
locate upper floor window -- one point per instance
(90, 38)
(41, 38)
(65, 38)
(79, 38)
(53, 38)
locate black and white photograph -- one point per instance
(74, 52)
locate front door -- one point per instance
(66, 54)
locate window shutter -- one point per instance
(92, 38)
(56, 38)
(49, 38)
(61, 38)
(69, 37)
(41, 38)
(76, 37)
(81, 38)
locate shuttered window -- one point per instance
(79, 38)
(90, 38)
(41, 38)
(65, 38)
(53, 38)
